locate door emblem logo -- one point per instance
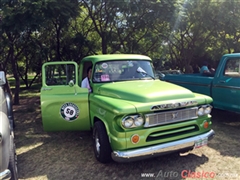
(69, 111)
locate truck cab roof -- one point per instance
(123, 57)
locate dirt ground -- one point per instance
(69, 155)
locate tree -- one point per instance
(126, 26)
(226, 26)
(191, 32)
(20, 19)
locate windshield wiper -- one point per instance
(140, 70)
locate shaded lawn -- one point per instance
(69, 155)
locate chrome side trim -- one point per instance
(157, 150)
(46, 89)
(5, 174)
(227, 87)
(182, 82)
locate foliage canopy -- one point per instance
(175, 33)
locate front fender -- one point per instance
(107, 107)
(109, 111)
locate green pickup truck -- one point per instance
(224, 87)
(132, 114)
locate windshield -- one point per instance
(109, 71)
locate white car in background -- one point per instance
(8, 157)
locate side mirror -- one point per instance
(2, 78)
(71, 83)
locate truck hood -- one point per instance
(144, 91)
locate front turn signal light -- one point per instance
(135, 138)
(205, 124)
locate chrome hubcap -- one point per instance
(97, 143)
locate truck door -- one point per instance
(64, 104)
(226, 86)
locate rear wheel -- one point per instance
(102, 148)
(13, 160)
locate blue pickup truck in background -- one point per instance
(224, 87)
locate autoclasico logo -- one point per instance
(192, 174)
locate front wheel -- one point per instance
(102, 149)
(13, 160)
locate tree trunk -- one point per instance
(104, 43)
(15, 75)
(58, 53)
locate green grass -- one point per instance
(30, 92)
(33, 91)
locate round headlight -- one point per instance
(208, 110)
(138, 121)
(200, 111)
(127, 122)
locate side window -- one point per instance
(232, 68)
(60, 74)
(86, 65)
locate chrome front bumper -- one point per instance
(5, 174)
(152, 151)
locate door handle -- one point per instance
(222, 81)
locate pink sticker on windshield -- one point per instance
(105, 77)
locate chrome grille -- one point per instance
(170, 117)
